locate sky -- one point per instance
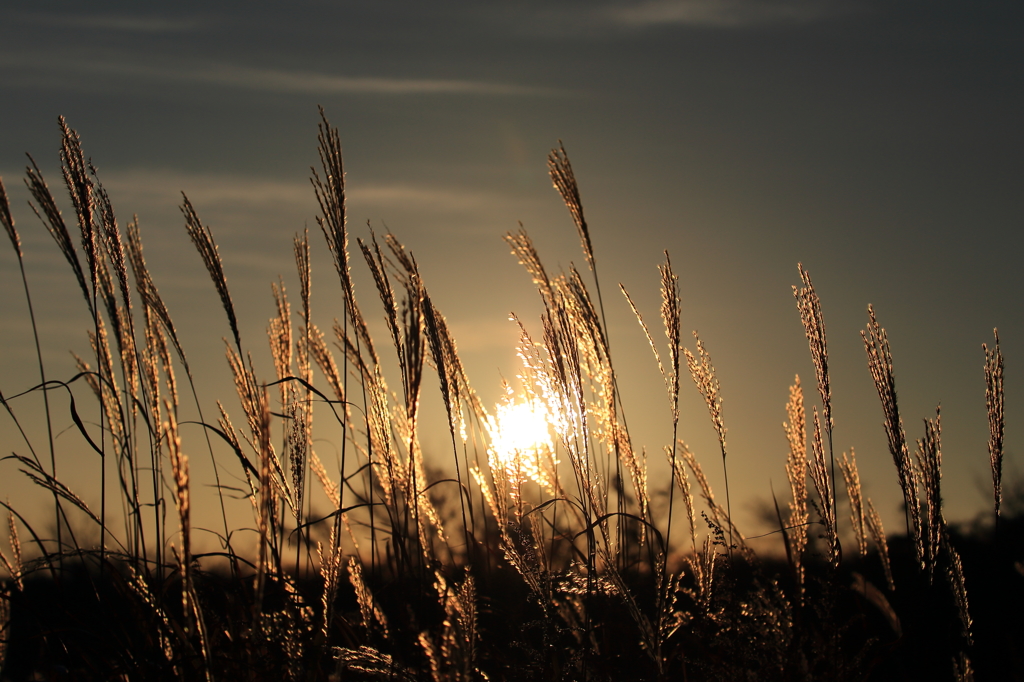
(878, 143)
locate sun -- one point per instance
(523, 429)
(521, 442)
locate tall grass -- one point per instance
(531, 550)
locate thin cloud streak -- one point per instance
(721, 13)
(112, 22)
(264, 80)
(600, 20)
(163, 188)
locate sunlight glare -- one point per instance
(521, 441)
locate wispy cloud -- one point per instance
(721, 13)
(280, 81)
(112, 22)
(166, 185)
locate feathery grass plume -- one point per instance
(955, 576)
(8, 220)
(605, 403)
(231, 436)
(454, 660)
(462, 396)
(325, 361)
(191, 608)
(265, 504)
(279, 334)
(152, 302)
(703, 373)
(372, 616)
(80, 188)
(202, 238)
(994, 406)
(330, 571)
(120, 315)
(717, 513)
(848, 465)
(251, 395)
(166, 366)
(370, 661)
(179, 469)
(442, 352)
(150, 370)
(105, 293)
(522, 557)
(330, 194)
(331, 489)
(386, 464)
(296, 447)
(929, 462)
(809, 305)
(305, 363)
(489, 497)
(702, 565)
(577, 301)
(526, 254)
(376, 262)
(682, 479)
(826, 495)
(437, 673)
(79, 184)
(880, 365)
(167, 632)
(120, 421)
(564, 181)
(302, 264)
(717, 518)
(670, 315)
(877, 532)
(90, 375)
(43, 479)
(55, 224)
(568, 392)
(647, 333)
(13, 566)
(106, 383)
(412, 357)
(796, 472)
(963, 671)
(462, 391)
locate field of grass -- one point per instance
(529, 551)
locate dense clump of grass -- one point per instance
(533, 554)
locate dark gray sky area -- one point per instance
(879, 143)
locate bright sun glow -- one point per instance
(521, 441)
(523, 429)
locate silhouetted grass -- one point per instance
(527, 552)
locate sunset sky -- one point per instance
(879, 143)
